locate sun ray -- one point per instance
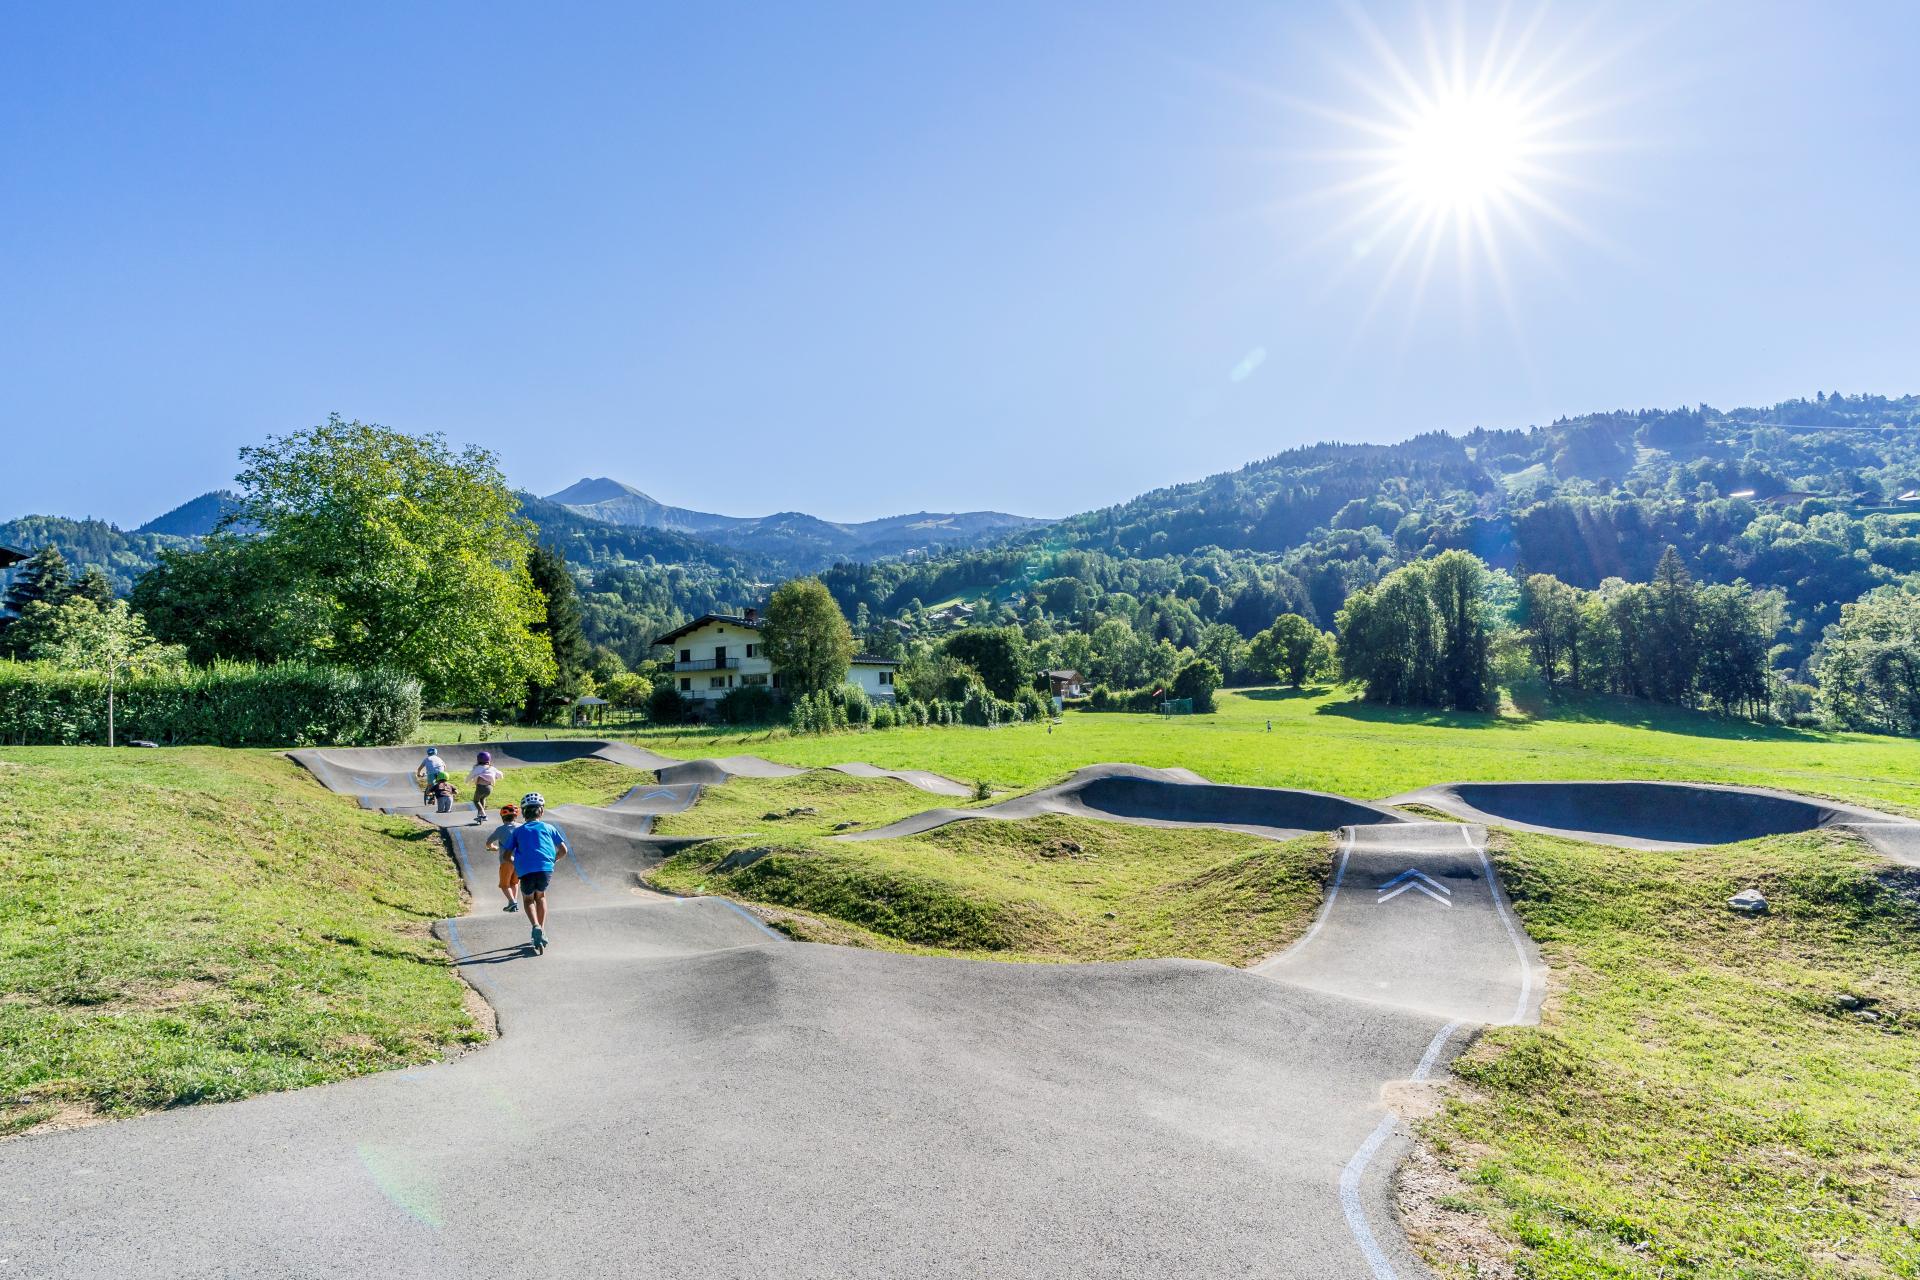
(1460, 141)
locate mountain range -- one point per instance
(794, 537)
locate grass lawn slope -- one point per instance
(197, 925)
(1048, 888)
(1708, 1094)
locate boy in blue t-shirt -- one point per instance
(536, 844)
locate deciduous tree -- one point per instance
(806, 637)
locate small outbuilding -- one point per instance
(1064, 683)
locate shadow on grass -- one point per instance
(1278, 695)
(1638, 713)
(1536, 704)
(1377, 713)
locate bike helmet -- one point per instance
(533, 800)
(433, 751)
(486, 757)
(509, 810)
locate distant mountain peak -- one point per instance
(587, 491)
(196, 517)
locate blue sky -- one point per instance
(859, 259)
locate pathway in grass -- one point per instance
(1708, 1093)
(197, 925)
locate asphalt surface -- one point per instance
(1160, 798)
(1662, 815)
(677, 1092)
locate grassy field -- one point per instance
(1708, 1094)
(1324, 740)
(198, 925)
(1050, 888)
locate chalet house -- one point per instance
(721, 651)
(1064, 683)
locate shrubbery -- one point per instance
(749, 704)
(226, 704)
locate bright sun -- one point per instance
(1460, 152)
(1456, 145)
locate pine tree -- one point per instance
(93, 584)
(44, 576)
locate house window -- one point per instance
(716, 682)
(886, 677)
(753, 679)
(753, 651)
(776, 679)
(686, 683)
(686, 655)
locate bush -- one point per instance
(980, 709)
(1034, 705)
(858, 706)
(749, 704)
(885, 716)
(228, 704)
(1197, 680)
(666, 706)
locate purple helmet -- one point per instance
(486, 757)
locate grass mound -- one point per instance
(1048, 888)
(780, 805)
(583, 781)
(198, 925)
(1708, 1093)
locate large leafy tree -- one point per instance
(806, 637)
(1868, 663)
(230, 599)
(1422, 636)
(1286, 649)
(998, 654)
(408, 554)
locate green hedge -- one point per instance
(227, 704)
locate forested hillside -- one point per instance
(1820, 499)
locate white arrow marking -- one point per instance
(1414, 878)
(1414, 873)
(1415, 884)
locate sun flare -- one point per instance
(1458, 147)
(1461, 152)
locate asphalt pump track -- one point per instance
(679, 1092)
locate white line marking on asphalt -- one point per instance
(1355, 1173)
(1326, 908)
(1513, 936)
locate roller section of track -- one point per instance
(1414, 916)
(1662, 815)
(1161, 798)
(383, 777)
